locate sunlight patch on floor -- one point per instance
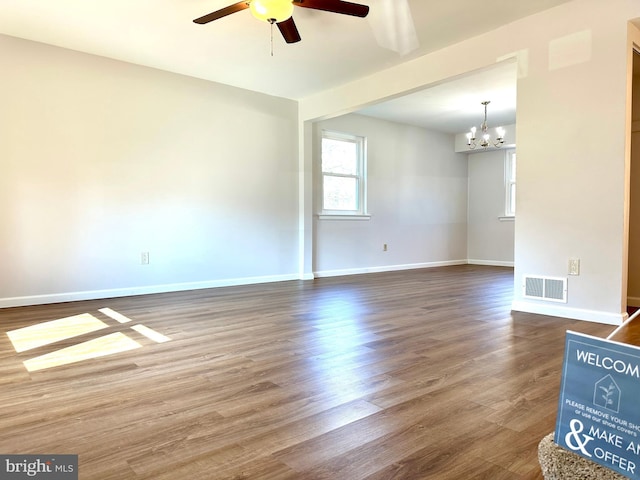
(150, 333)
(118, 317)
(106, 345)
(45, 333)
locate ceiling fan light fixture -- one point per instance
(272, 11)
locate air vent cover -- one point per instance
(553, 289)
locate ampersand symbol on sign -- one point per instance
(574, 435)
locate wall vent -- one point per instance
(553, 289)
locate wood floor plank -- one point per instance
(420, 374)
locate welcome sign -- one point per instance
(599, 404)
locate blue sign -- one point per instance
(599, 405)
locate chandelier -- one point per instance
(485, 141)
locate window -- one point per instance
(343, 174)
(510, 183)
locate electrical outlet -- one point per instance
(144, 258)
(574, 266)
(384, 247)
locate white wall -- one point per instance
(490, 238)
(417, 198)
(571, 186)
(101, 160)
(572, 142)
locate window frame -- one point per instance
(510, 171)
(360, 176)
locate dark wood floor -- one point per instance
(422, 374)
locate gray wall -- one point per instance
(102, 160)
(490, 238)
(417, 201)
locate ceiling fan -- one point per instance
(280, 12)
(392, 25)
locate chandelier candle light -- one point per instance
(485, 141)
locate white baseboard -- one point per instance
(387, 268)
(490, 263)
(127, 292)
(568, 312)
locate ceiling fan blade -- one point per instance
(335, 6)
(289, 30)
(393, 27)
(210, 17)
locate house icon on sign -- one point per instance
(606, 394)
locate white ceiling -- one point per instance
(235, 50)
(455, 106)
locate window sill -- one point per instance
(343, 217)
(510, 218)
